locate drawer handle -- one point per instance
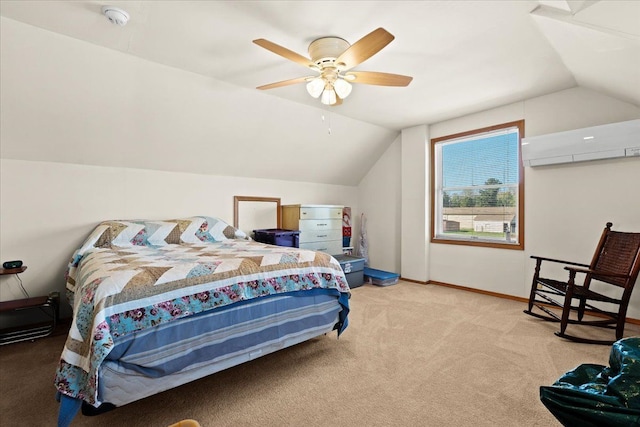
(322, 235)
(323, 249)
(322, 225)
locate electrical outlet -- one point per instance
(632, 152)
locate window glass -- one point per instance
(477, 187)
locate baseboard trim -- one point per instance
(413, 281)
(495, 294)
(478, 291)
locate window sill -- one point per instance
(518, 246)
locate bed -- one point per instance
(157, 304)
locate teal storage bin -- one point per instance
(380, 277)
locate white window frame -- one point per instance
(510, 240)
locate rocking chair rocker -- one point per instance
(616, 262)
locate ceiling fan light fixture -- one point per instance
(342, 88)
(327, 49)
(333, 58)
(329, 97)
(315, 87)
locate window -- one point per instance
(477, 188)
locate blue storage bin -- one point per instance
(278, 237)
(380, 277)
(353, 268)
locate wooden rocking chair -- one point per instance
(616, 262)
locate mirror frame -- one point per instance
(238, 199)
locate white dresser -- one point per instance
(320, 226)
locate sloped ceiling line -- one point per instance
(570, 18)
(599, 45)
(572, 6)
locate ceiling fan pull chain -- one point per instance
(328, 122)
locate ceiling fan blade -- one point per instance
(284, 52)
(364, 48)
(284, 83)
(380, 79)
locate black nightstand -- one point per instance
(48, 304)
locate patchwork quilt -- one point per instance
(132, 275)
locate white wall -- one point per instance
(495, 270)
(47, 209)
(415, 215)
(393, 197)
(66, 100)
(566, 206)
(382, 210)
(90, 134)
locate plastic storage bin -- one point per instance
(353, 268)
(278, 237)
(380, 277)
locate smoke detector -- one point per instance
(116, 15)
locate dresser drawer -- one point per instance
(320, 213)
(333, 247)
(319, 224)
(320, 235)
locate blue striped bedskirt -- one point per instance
(177, 352)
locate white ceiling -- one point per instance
(465, 56)
(174, 89)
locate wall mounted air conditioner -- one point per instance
(580, 145)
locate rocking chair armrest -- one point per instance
(596, 272)
(559, 261)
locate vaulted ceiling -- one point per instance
(464, 56)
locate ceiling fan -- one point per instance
(333, 57)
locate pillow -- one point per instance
(196, 229)
(207, 229)
(138, 233)
(151, 233)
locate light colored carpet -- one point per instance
(413, 355)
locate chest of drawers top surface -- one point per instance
(312, 206)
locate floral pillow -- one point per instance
(207, 229)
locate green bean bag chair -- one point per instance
(596, 395)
